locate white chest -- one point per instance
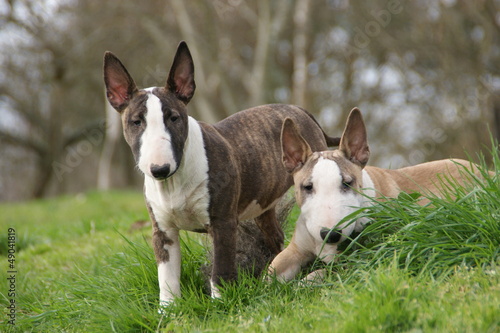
(182, 200)
(179, 207)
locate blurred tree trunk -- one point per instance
(206, 112)
(258, 72)
(300, 20)
(52, 127)
(496, 117)
(111, 139)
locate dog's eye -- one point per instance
(139, 120)
(347, 184)
(308, 187)
(173, 116)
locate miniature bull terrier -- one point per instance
(330, 185)
(201, 177)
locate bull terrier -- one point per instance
(201, 177)
(330, 185)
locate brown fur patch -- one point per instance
(160, 239)
(135, 111)
(303, 175)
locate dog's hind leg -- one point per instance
(271, 228)
(224, 235)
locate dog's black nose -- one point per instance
(160, 171)
(330, 235)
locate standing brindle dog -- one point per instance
(202, 177)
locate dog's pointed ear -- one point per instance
(181, 77)
(354, 142)
(295, 150)
(120, 87)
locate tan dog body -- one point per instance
(330, 185)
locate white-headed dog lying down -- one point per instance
(330, 185)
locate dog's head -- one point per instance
(155, 120)
(328, 183)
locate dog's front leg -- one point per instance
(168, 257)
(224, 266)
(289, 262)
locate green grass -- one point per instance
(413, 269)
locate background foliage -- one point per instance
(425, 74)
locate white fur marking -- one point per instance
(168, 280)
(327, 206)
(181, 201)
(169, 272)
(156, 146)
(329, 203)
(214, 291)
(369, 191)
(254, 209)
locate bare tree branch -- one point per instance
(27, 143)
(85, 132)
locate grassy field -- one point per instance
(80, 267)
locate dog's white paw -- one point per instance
(271, 277)
(164, 304)
(315, 277)
(214, 291)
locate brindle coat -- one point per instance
(223, 173)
